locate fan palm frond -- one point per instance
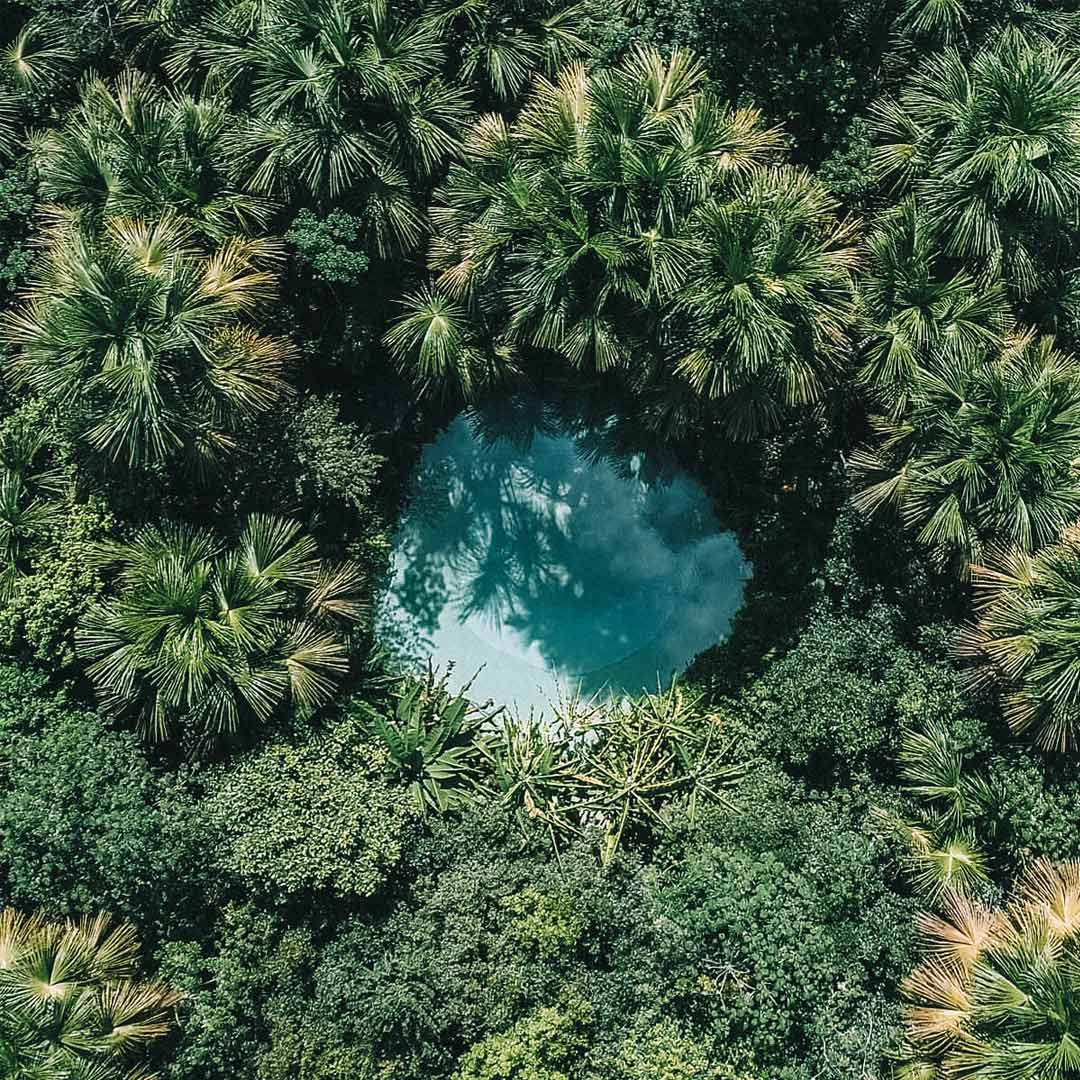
(210, 637)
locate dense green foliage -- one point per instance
(254, 255)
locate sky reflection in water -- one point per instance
(527, 554)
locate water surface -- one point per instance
(527, 557)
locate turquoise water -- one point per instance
(527, 560)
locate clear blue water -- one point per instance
(542, 569)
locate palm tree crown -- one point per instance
(343, 100)
(912, 309)
(130, 149)
(761, 322)
(144, 339)
(501, 44)
(985, 451)
(70, 1006)
(997, 993)
(1026, 637)
(991, 147)
(628, 222)
(211, 637)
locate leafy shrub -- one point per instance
(769, 938)
(84, 823)
(467, 955)
(831, 709)
(539, 1047)
(334, 459)
(666, 1052)
(243, 995)
(47, 603)
(16, 204)
(331, 246)
(1039, 808)
(310, 816)
(781, 936)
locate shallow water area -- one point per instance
(544, 568)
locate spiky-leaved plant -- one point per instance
(211, 637)
(635, 759)
(33, 61)
(1026, 637)
(984, 452)
(628, 223)
(996, 996)
(71, 1006)
(143, 341)
(437, 742)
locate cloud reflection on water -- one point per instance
(526, 551)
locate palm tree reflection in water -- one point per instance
(533, 549)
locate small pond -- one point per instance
(548, 567)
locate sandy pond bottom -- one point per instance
(549, 569)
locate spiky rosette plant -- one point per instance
(209, 637)
(1026, 638)
(71, 1006)
(144, 341)
(984, 452)
(996, 996)
(635, 759)
(436, 742)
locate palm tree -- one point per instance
(70, 1005)
(343, 100)
(438, 341)
(37, 58)
(626, 223)
(1026, 637)
(938, 19)
(912, 310)
(942, 854)
(501, 44)
(760, 324)
(984, 453)
(29, 492)
(210, 637)
(32, 65)
(143, 341)
(993, 997)
(991, 148)
(132, 149)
